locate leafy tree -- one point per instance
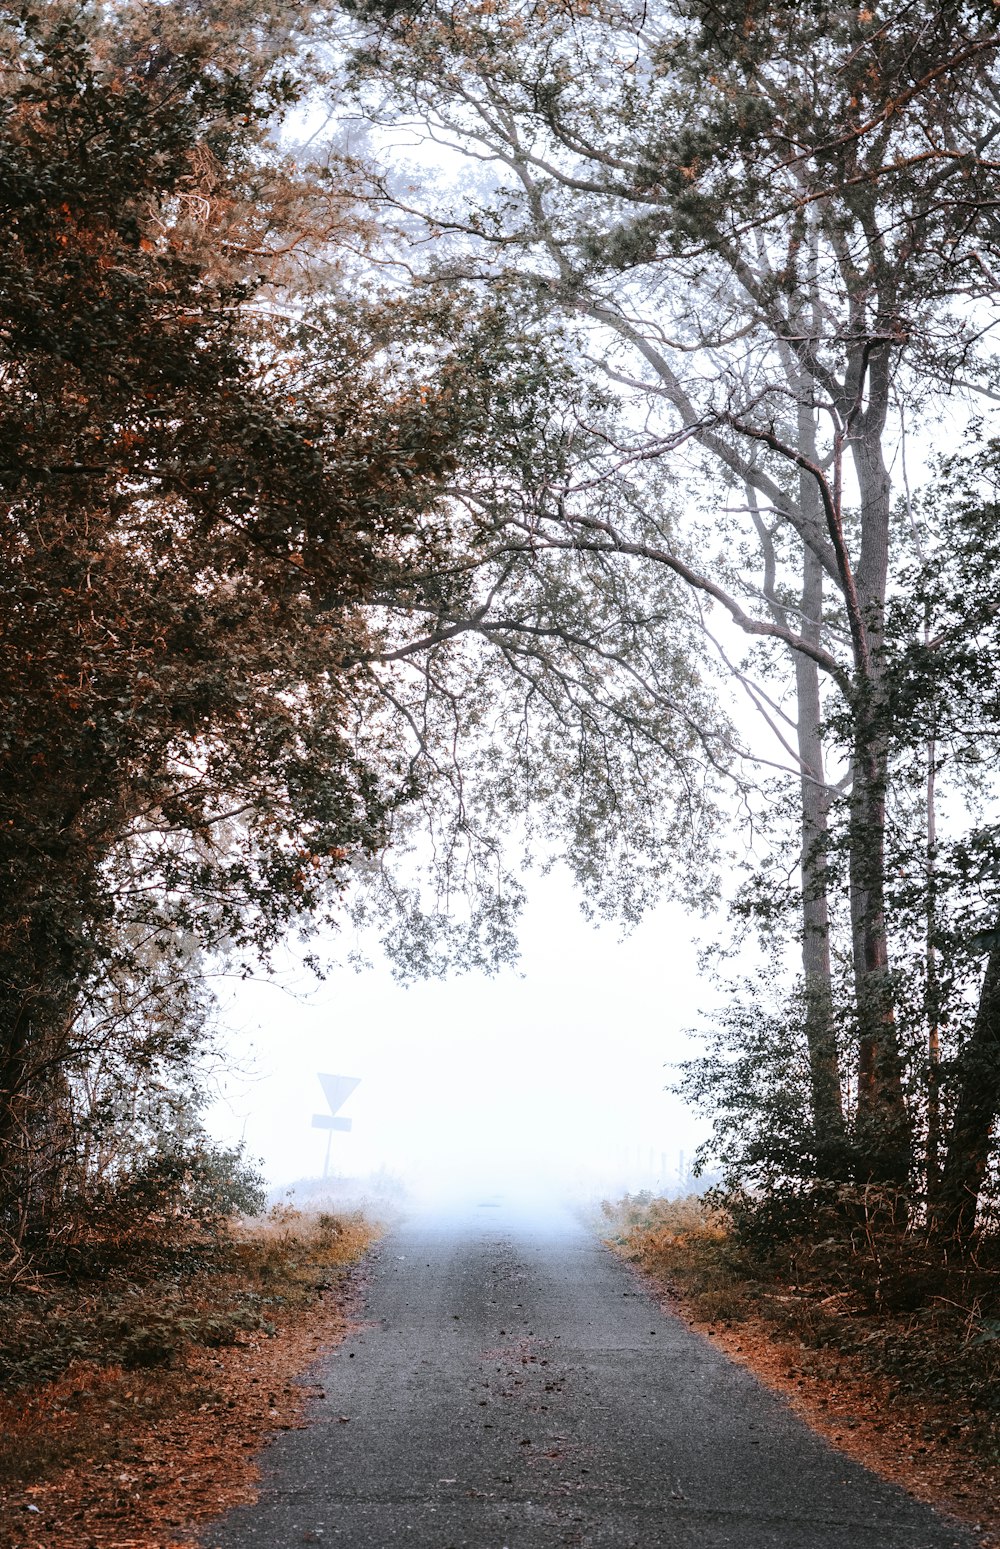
(263, 615)
(766, 223)
(941, 729)
(943, 711)
(193, 508)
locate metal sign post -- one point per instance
(337, 1090)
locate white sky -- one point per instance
(531, 1081)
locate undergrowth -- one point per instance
(83, 1357)
(856, 1286)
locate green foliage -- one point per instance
(202, 1181)
(754, 1080)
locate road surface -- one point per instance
(513, 1388)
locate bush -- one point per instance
(190, 1178)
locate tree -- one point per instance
(942, 632)
(767, 223)
(193, 508)
(261, 611)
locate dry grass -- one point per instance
(858, 1334)
(134, 1406)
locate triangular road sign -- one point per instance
(338, 1089)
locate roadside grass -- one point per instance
(134, 1392)
(885, 1345)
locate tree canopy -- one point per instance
(263, 611)
(771, 231)
(367, 532)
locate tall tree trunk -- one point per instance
(38, 999)
(883, 1123)
(933, 1156)
(976, 1111)
(824, 1064)
(13, 1048)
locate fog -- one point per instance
(544, 1082)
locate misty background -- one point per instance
(545, 1079)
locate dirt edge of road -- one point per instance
(162, 1477)
(850, 1407)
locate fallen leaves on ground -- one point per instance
(104, 1457)
(860, 1414)
(925, 1445)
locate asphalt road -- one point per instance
(512, 1388)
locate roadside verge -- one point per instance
(169, 1386)
(838, 1366)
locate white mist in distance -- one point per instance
(542, 1082)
